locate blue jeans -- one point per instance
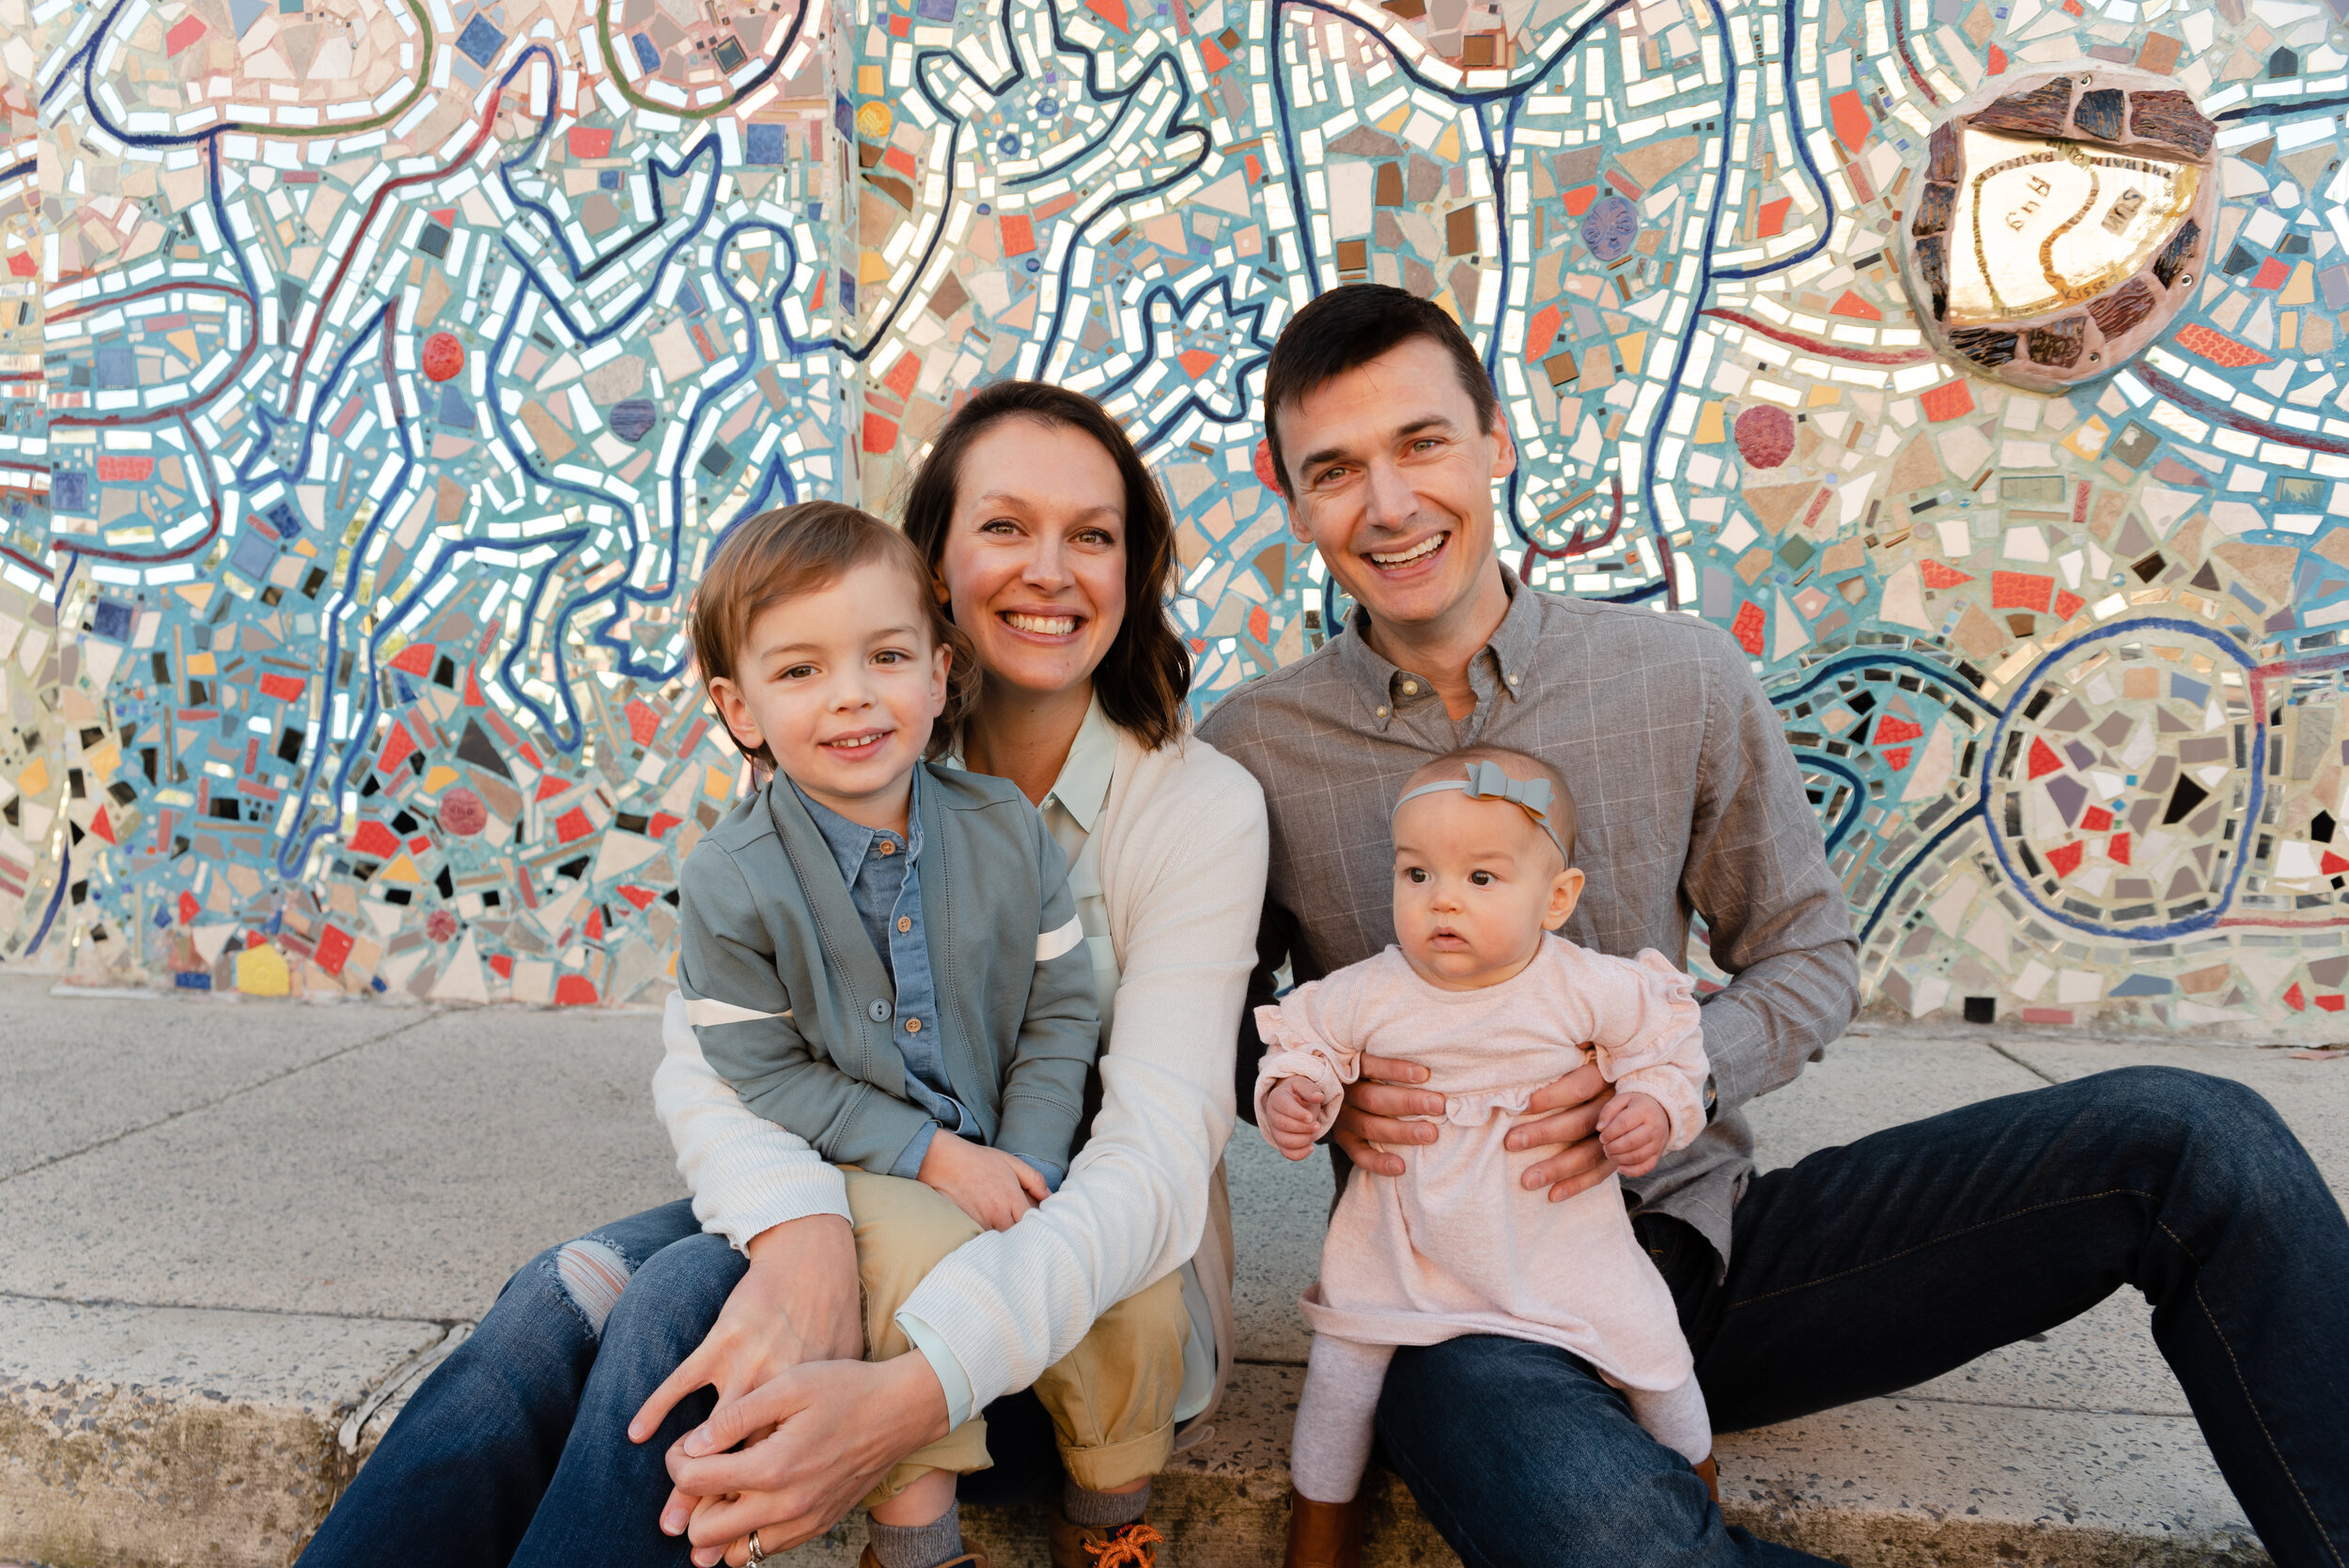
(1868, 1268)
(515, 1449)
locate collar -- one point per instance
(851, 843)
(1084, 784)
(1384, 687)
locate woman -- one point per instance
(551, 1434)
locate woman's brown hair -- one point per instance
(1143, 679)
(798, 549)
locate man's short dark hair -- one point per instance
(1351, 326)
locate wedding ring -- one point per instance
(756, 1554)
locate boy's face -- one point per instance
(1475, 885)
(841, 685)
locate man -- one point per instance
(1864, 1269)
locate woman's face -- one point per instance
(1035, 560)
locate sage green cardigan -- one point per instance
(780, 978)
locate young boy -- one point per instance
(883, 957)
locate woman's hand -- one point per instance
(820, 1436)
(798, 1304)
(1292, 1115)
(1373, 1104)
(994, 1188)
(1564, 1115)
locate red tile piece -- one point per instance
(1196, 362)
(574, 990)
(2068, 605)
(286, 689)
(1897, 758)
(185, 32)
(2043, 761)
(504, 964)
(642, 898)
(1940, 576)
(2273, 274)
(120, 469)
(2330, 1003)
(333, 949)
(572, 825)
(375, 839)
(1851, 119)
(1541, 331)
(2020, 590)
(2119, 849)
(1771, 221)
(1948, 401)
(415, 658)
(643, 722)
(1854, 307)
(881, 434)
(662, 822)
(591, 141)
(1891, 728)
(2065, 860)
(2217, 347)
(1746, 628)
(2096, 820)
(1018, 235)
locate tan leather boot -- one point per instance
(1324, 1534)
(1134, 1546)
(969, 1559)
(1711, 1471)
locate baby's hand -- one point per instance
(1292, 1116)
(992, 1187)
(1633, 1129)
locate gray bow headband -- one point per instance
(1486, 781)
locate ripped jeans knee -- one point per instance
(589, 1274)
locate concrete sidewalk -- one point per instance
(232, 1235)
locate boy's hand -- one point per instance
(992, 1187)
(1292, 1115)
(1633, 1129)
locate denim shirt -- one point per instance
(884, 875)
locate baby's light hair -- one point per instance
(1517, 765)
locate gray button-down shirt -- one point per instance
(1688, 799)
(884, 875)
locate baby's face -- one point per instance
(1476, 883)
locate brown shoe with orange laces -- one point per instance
(1324, 1534)
(1134, 1546)
(969, 1559)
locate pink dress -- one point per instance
(1456, 1245)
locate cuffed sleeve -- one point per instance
(1296, 1044)
(948, 1371)
(1059, 1035)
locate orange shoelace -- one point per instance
(1128, 1548)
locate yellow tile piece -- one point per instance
(1392, 125)
(261, 972)
(35, 778)
(1822, 394)
(870, 268)
(198, 594)
(1632, 348)
(1711, 427)
(2301, 290)
(402, 869)
(1448, 144)
(868, 81)
(440, 777)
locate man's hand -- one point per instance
(1564, 1115)
(1373, 1104)
(799, 1302)
(1633, 1129)
(1292, 1115)
(994, 1188)
(819, 1436)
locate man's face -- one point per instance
(1393, 484)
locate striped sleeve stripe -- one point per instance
(702, 1012)
(1053, 943)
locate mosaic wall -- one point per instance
(379, 375)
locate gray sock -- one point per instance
(1101, 1509)
(917, 1546)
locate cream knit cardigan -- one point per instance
(1183, 848)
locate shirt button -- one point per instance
(879, 1012)
(1410, 688)
(913, 1026)
(888, 846)
(905, 923)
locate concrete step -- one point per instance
(218, 1285)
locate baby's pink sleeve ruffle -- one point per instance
(1653, 1043)
(1294, 1048)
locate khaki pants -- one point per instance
(1112, 1399)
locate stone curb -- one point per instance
(134, 1467)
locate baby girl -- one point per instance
(1479, 991)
